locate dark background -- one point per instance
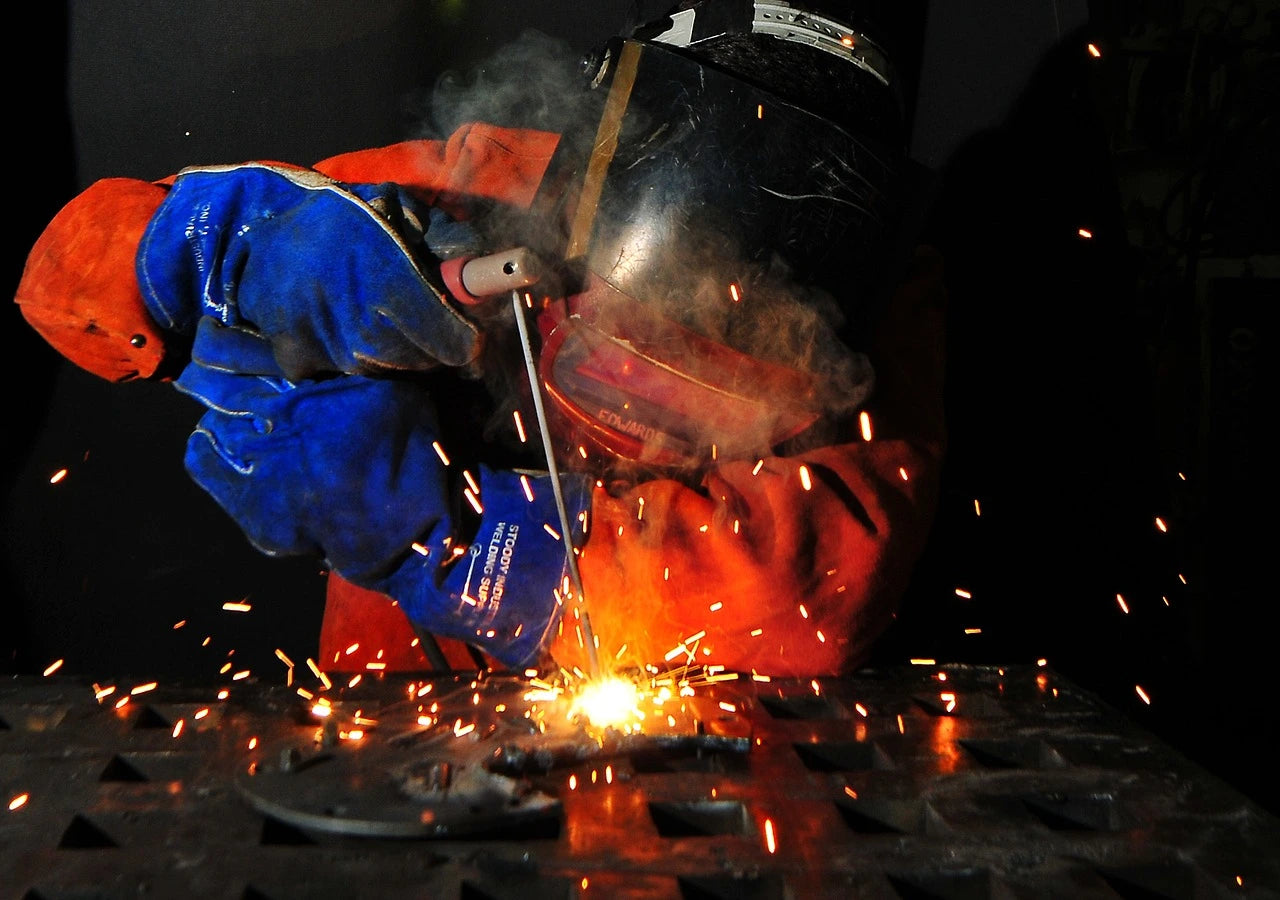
(1093, 384)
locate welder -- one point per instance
(741, 365)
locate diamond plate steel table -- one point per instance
(916, 782)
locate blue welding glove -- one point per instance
(345, 467)
(338, 277)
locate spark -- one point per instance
(179, 624)
(805, 480)
(241, 675)
(963, 594)
(582, 451)
(473, 500)
(757, 632)
(847, 41)
(1042, 662)
(950, 700)
(351, 648)
(459, 729)
(822, 638)
(573, 782)
(733, 292)
(758, 466)
(973, 631)
(1182, 578)
(1093, 50)
(977, 507)
(727, 706)
(444, 457)
(143, 688)
(322, 709)
(1084, 233)
(280, 655)
(375, 666)
(546, 526)
(524, 438)
(1124, 607)
(902, 725)
(816, 688)
(53, 667)
(862, 710)
(224, 694)
(253, 743)
(864, 423)
(120, 704)
(608, 774)
(19, 801)
(100, 693)
(1142, 694)
(902, 473)
(923, 661)
(804, 612)
(355, 679)
(237, 607)
(759, 110)
(1160, 524)
(471, 481)
(770, 841)
(756, 676)
(527, 487)
(201, 713)
(177, 727)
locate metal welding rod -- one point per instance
(566, 533)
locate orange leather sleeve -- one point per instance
(477, 162)
(783, 575)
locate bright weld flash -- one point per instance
(606, 701)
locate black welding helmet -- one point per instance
(728, 217)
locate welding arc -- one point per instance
(566, 534)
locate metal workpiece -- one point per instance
(940, 781)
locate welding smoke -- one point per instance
(699, 220)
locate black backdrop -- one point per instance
(1051, 392)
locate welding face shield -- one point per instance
(727, 218)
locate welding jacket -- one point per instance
(754, 567)
(785, 565)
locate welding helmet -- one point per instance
(728, 216)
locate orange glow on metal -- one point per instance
(864, 423)
(53, 667)
(19, 801)
(770, 839)
(237, 607)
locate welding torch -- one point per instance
(474, 281)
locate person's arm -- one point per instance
(785, 576)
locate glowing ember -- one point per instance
(608, 701)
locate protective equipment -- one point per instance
(335, 276)
(78, 290)
(345, 467)
(742, 184)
